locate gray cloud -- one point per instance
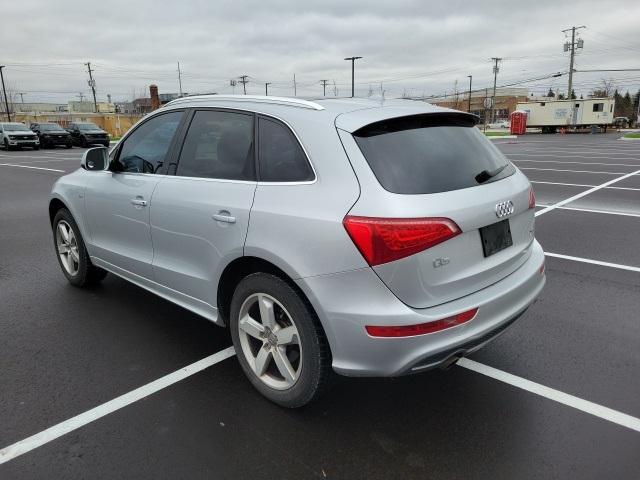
(412, 46)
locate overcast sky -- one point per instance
(417, 47)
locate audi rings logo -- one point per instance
(504, 208)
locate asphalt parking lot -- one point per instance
(65, 351)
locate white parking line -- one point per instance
(27, 166)
(572, 153)
(588, 210)
(584, 185)
(46, 436)
(552, 394)
(593, 262)
(565, 170)
(585, 193)
(57, 431)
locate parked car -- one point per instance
(52, 134)
(17, 135)
(500, 124)
(86, 134)
(286, 221)
(621, 122)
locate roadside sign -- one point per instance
(488, 102)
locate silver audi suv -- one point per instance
(364, 237)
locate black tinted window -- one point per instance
(145, 150)
(430, 154)
(280, 156)
(218, 145)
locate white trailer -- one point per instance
(554, 114)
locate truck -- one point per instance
(550, 115)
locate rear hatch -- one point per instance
(450, 214)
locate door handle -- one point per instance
(139, 202)
(224, 217)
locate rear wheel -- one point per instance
(72, 253)
(278, 340)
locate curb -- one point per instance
(628, 139)
(502, 137)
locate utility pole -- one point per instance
(353, 62)
(81, 95)
(244, 81)
(92, 84)
(572, 47)
(324, 87)
(179, 79)
(266, 91)
(470, 79)
(496, 69)
(4, 92)
(295, 86)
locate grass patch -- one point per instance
(497, 134)
(632, 135)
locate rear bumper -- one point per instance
(348, 301)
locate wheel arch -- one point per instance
(240, 268)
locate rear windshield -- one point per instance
(430, 153)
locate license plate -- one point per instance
(496, 237)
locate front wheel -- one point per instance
(71, 252)
(279, 342)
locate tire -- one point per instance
(6, 145)
(69, 145)
(309, 358)
(80, 273)
(36, 147)
(83, 142)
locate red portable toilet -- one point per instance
(518, 122)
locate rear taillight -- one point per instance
(532, 198)
(383, 240)
(421, 328)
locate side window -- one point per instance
(218, 145)
(280, 156)
(598, 107)
(145, 150)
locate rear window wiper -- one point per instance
(485, 175)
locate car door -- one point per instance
(200, 216)
(117, 200)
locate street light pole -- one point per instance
(470, 79)
(353, 62)
(266, 91)
(4, 92)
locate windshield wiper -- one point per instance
(485, 175)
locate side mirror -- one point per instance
(95, 159)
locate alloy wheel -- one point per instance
(67, 245)
(270, 341)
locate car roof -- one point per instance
(348, 114)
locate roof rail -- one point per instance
(292, 102)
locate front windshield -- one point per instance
(15, 127)
(88, 126)
(50, 127)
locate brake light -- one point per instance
(532, 198)
(421, 328)
(383, 240)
